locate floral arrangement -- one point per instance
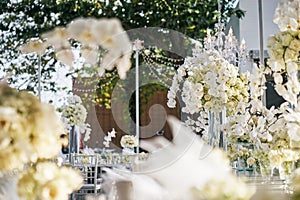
(103, 38)
(272, 131)
(249, 116)
(283, 49)
(287, 15)
(209, 84)
(129, 141)
(74, 114)
(212, 83)
(259, 126)
(30, 132)
(264, 130)
(230, 187)
(45, 180)
(108, 138)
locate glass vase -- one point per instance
(217, 137)
(285, 172)
(266, 171)
(286, 169)
(74, 141)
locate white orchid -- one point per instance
(208, 82)
(283, 49)
(58, 38)
(108, 138)
(34, 45)
(287, 15)
(212, 83)
(99, 38)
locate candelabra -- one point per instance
(227, 45)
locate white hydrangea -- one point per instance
(75, 114)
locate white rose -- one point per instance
(285, 38)
(290, 55)
(295, 45)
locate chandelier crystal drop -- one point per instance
(227, 45)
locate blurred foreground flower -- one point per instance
(230, 188)
(102, 42)
(45, 180)
(30, 131)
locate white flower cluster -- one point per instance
(283, 50)
(293, 125)
(287, 15)
(257, 80)
(29, 129)
(199, 124)
(264, 128)
(93, 34)
(212, 83)
(277, 157)
(257, 124)
(30, 140)
(46, 180)
(108, 138)
(129, 141)
(74, 114)
(229, 187)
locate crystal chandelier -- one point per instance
(227, 45)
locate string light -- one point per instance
(163, 60)
(84, 90)
(155, 65)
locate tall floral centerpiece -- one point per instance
(284, 48)
(29, 136)
(262, 131)
(74, 116)
(208, 84)
(270, 131)
(284, 62)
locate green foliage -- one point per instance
(29, 18)
(105, 87)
